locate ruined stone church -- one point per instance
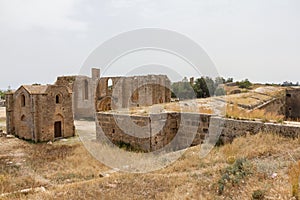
(47, 112)
(40, 112)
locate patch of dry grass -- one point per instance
(235, 112)
(294, 175)
(188, 178)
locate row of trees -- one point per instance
(287, 83)
(204, 87)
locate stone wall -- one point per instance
(151, 133)
(293, 103)
(174, 130)
(116, 132)
(124, 92)
(33, 111)
(276, 106)
(83, 98)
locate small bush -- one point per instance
(244, 84)
(233, 174)
(258, 194)
(128, 147)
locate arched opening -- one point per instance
(109, 84)
(58, 99)
(86, 90)
(23, 100)
(58, 126)
(23, 118)
(104, 104)
(135, 96)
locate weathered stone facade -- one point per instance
(157, 131)
(40, 112)
(94, 94)
(83, 89)
(125, 92)
(292, 109)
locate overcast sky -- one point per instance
(255, 39)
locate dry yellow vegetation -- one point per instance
(233, 111)
(252, 166)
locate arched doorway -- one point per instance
(58, 126)
(104, 104)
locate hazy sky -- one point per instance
(255, 39)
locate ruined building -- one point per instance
(83, 89)
(40, 112)
(126, 92)
(46, 112)
(106, 93)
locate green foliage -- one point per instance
(204, 87)
(220, 91)
(244, 84)
(182, 90)
(219, 81)
(128, 147)
(233, 174)
(258, 194)
(229, 80)
(2, 94)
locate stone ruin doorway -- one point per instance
(57, 129)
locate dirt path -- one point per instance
(2, 112)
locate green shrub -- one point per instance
(258, 194)
(234, 173)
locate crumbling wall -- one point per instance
(109, 128)
(135, 91)
(276, 106)
(84, 90)
(173, 131)
(292, 103)
(152, 133)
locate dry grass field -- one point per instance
(259, 165)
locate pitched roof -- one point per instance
(36, 89)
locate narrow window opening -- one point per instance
(57, 99)
(109, 84)
(23, 102)
(288, 95)
(86, 90)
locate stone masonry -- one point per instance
(180, 130)
(40, 112)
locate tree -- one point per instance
(244, 84)
(219, 81)
(204, 87)
(2, 94)
(229, 80)
(220, 91)
(182, 90)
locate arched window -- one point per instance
(86, 90)
(57, 99)
(23, 118)
(109, 84)
(23, 100)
